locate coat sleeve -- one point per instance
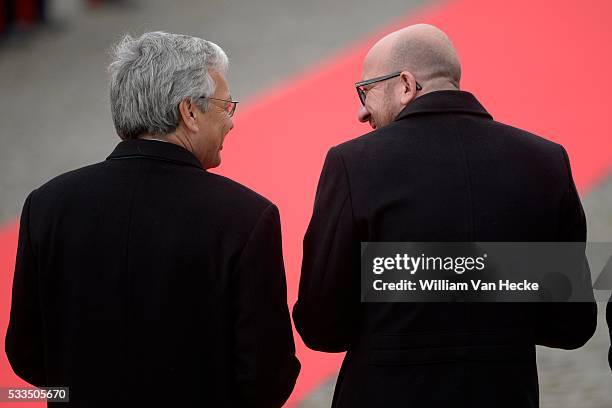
(266, 367)
(609, 319)
(569, 325)
(328, 306)
(24, 341)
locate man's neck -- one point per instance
(147, 137)
(177, 138)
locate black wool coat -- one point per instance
(145, 279)
(443, 171)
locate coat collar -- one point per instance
(154, 149)
(444, 101)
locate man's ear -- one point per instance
(188, 112)
(408, 87)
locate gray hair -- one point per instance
(152, 74)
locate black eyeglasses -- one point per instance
(230, 106)
(361, 92)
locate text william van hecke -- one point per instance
(448, 285)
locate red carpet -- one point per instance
(539, 65)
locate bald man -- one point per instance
(435, 168)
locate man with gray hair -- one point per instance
(145, 279)
(435, 168)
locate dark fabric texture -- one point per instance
(609, 319)
(145, 279)
(443, 171)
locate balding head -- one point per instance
(424, 55)
(424, 50)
